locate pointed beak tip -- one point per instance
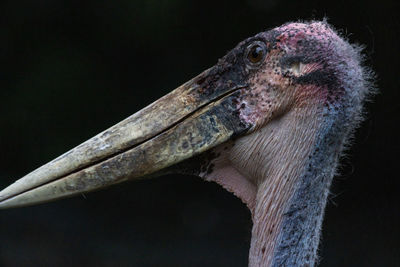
(3, 201)
(3, 204)
(8, 198)
(5, 193)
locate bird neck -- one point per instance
(301, 222)
(298, 163)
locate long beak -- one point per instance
(186, 122)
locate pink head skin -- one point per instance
(297, 71)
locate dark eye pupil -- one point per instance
(256, 54)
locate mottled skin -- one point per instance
(268, 122)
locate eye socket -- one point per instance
(256, 53)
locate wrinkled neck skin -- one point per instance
(272, 171)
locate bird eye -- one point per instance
(256, 53)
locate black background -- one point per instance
(70, 69)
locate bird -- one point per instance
(269, 123)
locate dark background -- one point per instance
(70, 69)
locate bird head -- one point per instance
(229, 115)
